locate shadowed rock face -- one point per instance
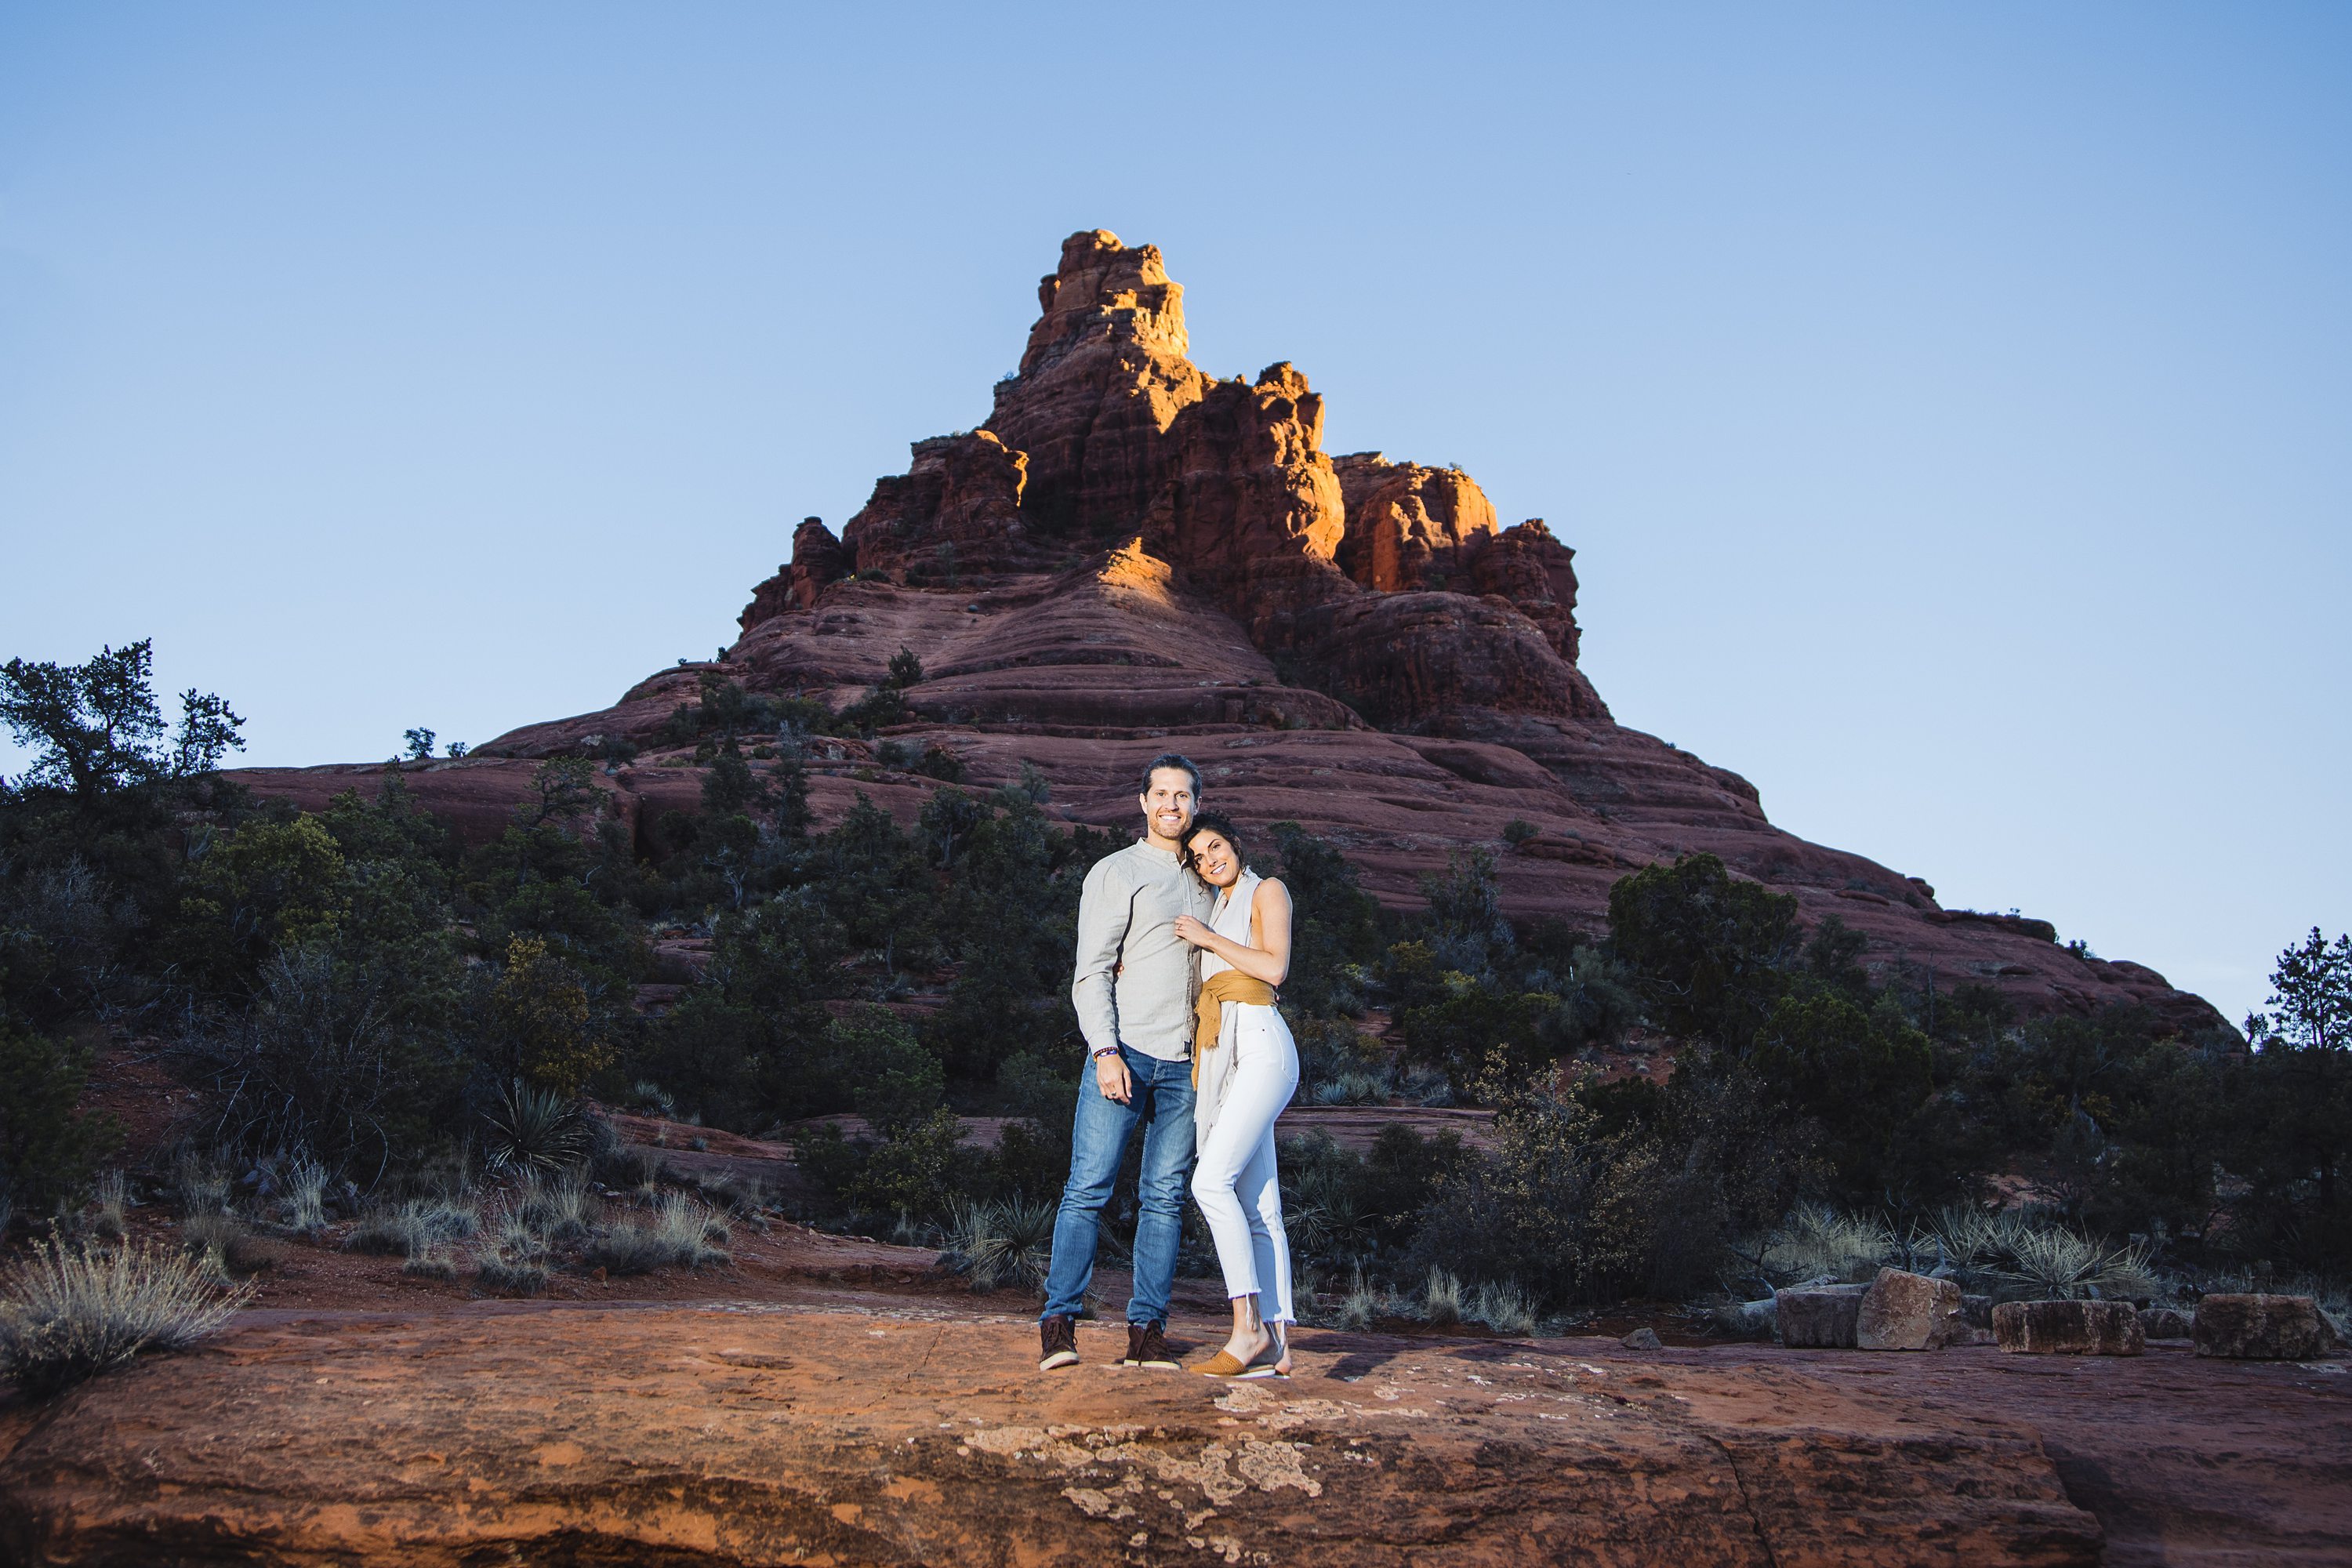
(1133, 556)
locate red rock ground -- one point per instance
(864, 1430)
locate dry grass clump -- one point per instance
(995, 1244)
(414, 1228)
(1816, 1240)
(564, 1209)
(306, 1195)
(67, 1313)
(228, 1246)
(109, 1200)
(512, 1259)
(1440, 1299)
(681, 1231)
(1503, 1307)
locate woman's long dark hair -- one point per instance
(1209, 822)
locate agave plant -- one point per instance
(535, 1131)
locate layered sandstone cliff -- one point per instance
(1131, 555)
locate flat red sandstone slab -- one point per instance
(670, 1435)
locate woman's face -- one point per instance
(1215, 859)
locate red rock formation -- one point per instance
(1102, 378)
(957, 509)
(818, 561)
(1156, 557)
(1407, 524)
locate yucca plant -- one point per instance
(2063, 1265)
(993, 1243)
(535, 1130)
(68, 1313)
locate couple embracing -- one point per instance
(1180, 948)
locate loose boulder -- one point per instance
(2262, 1327)
(2163, 1322)
(1821, 1316)
(2068, 1327)
(1644, 1339)
(1904, 1311)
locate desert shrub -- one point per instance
(47, 1149)
(540, 1006)
(1348, 1210)
(892, 1081)
(1334, 935)
(1008, 1242)
(331, 1058)
(67, 1313)
(1574, 1211)
(914, 1175)
(1031, 1159)
(253, 891)
(1709, 953)
(1862, 1075)
(1517, 831)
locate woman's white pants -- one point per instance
(1235, 1182)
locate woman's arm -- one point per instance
(1270, 912)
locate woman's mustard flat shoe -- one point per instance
(1224, 1364)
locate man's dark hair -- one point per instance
(1170, 759)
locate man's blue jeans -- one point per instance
(1163, 1093)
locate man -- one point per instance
(1134, 992)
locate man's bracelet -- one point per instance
(1106, 1051)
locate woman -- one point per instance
(1245, 1069)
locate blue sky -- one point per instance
(1951, 405)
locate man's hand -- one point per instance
(1111, 1076)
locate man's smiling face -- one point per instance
(1168, 804)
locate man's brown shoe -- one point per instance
(1147, 1345)
(1059, 1336)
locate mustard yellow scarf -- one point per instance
(1208, 1014)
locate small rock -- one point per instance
(2261, 1327)
(1903, 1311)
(1818, 1316)
(1643, 1339)
(2068, 1327)
(2163, 1322)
